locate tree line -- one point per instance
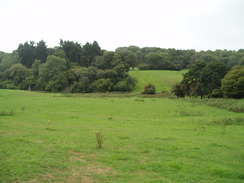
(69, 67)
(73, 67)
(152, 58)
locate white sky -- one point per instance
(180, 24)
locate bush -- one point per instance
(8, 84)
(149, 89)
(233, 83)
(126, 85)
(101, 85)
(177, 91)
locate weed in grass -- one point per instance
(100, 140)
(124, 138)
(139, 100)
(162, 138)
(184, 113)
(146, 151)
(23, 108)
(110, 117)
(49, 127)
(230, 104)
(7, 113)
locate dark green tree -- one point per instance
(89, 52)
(50, 70)
(191, 84)
(125, 85)
(177, 91)
(102, 85)
(27, 53)
(233, 83)
(18, 73)
(210, 77)
(35, 67)
(41, 51)
(72, 50)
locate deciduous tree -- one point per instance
(233, 83)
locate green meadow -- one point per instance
(50, 137)
(162, 79)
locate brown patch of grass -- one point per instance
(8, 133)
(143, 161)
(98, 169)
(48, 177)
(84, 172)
(79, 176)
(39, 141)
(81, 156)
(88, 169)
(77, 158)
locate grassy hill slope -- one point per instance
(163, 80)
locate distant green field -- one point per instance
(163, 80)
(49, 137)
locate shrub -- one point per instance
(177, 91)
(101, 85)
(126, 85)
(149, 89)
(233, 83)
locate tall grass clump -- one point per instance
(228, 121)
(100, 140)
(227, 104)
(7, 113)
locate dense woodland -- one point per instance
(212, 79)
(72, 67)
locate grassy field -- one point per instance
(163, 80)
(52, 138)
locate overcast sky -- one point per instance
(180, 24)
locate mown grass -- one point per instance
(52, 138)
(163, 80)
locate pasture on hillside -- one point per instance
(50, 137)
(162, 79)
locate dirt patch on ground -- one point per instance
(88, 169)
(78, 156)
(86, 172)
(39, 141)
(84, 168)
(79, 176)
